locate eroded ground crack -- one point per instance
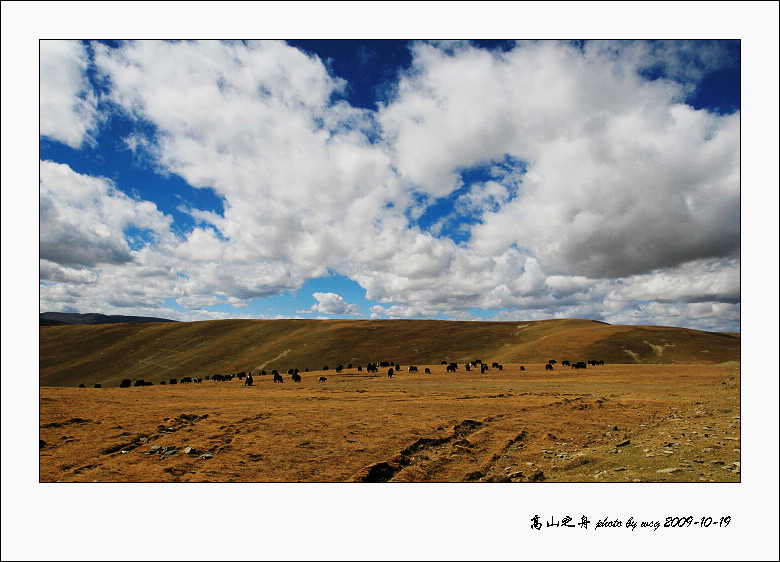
(419, 451)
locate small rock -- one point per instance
(207, 456)
(624, 443)
(155, 448)
(516, 474)
(670, 470)
(187, 450)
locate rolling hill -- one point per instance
(107, 353)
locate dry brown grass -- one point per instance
(615, 423)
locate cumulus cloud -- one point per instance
(622, 178)
(54, 273)
(403, 311)
(684, 62)
(68, 107)
(709, 316)
(331, 303)
(701, 281)
(83, 218)
(131, 288)
(300, 179)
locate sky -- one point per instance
(373, 179)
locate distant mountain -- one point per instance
(65, 318)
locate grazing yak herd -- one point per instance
(392, 368)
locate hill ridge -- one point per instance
(67, 318)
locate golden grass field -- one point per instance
(634, 419)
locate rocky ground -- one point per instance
(612, 423)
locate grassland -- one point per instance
(664, 413)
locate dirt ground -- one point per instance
(612, 423)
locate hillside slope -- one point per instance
(108, 353)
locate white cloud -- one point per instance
(54, 273)
(82, 218)
(300, 182)
(131, 288)
(403, 311)
(622, 178)
(68, 107)
(692, 282)
(685, 62)
(331, 303)
(710, 316)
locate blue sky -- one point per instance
(459, 180)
